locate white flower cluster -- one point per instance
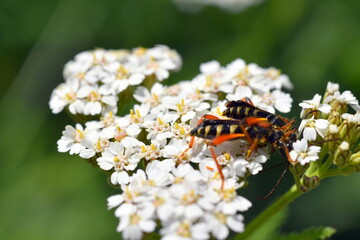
(145, 152)
(317, 117)
(94, 78)
(184, 201)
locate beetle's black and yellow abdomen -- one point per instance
(241, 110)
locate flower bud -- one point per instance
(331, 136)
(349, 128)
(334, 118)
(298, 169)
(355, 162)
(354, 122)
(342, 153)
(310, 183)
(341, 107)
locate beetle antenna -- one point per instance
(276, 185)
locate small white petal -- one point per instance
(147, 225)
(235, 223)
(309, 134)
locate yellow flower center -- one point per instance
(139, 51)
(122, 72)
(190, 197)
(134, 219)
(79, 135)
(135, 116)
(221, 217)
(184, 230)
(93, 96)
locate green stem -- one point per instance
(327, 164)
(278, 205)
(316, 166)
(330, 173)
(297, 181)
(312, 168)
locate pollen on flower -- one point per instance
(224, 158)
(139, 51)
(93, 96)
(190, 197)
(121, 72)
(153, 64)
(135, 116)
(134, 219)
(70, 96)
(158, 201)
(154, 100)
(130, 195)
(241, 78)
(80, 76)
(108, 119)
(273, 73)
(178, 180)
(180, 130)
(183, 230)
(79, 135)
(181, 106)
(227, 194)
(221, 217)
(119, 134)
(101, 144)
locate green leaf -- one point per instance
(270, 229)
(313, 233)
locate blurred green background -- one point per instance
(48, 195)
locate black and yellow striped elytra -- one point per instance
(212, 128)
(241, 109)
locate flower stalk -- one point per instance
(293, 193)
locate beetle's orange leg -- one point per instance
(247, 100)
(218, 167)
(223, 138)
(252, 148)
(290, 132)
(261, 122)
(208, 116)
(288, 155)
(246, 134)
(288, 125)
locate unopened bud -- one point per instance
(349, 128)
(349, 132)
(331, 137)
(355, 162)
(344, 130)
(310, 182)
(303, 188)
(298, 169)
(342, 153)
(340, 107)
(334, 118)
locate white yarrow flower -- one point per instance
(314, 105)
(304, 154)
(311, 127)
